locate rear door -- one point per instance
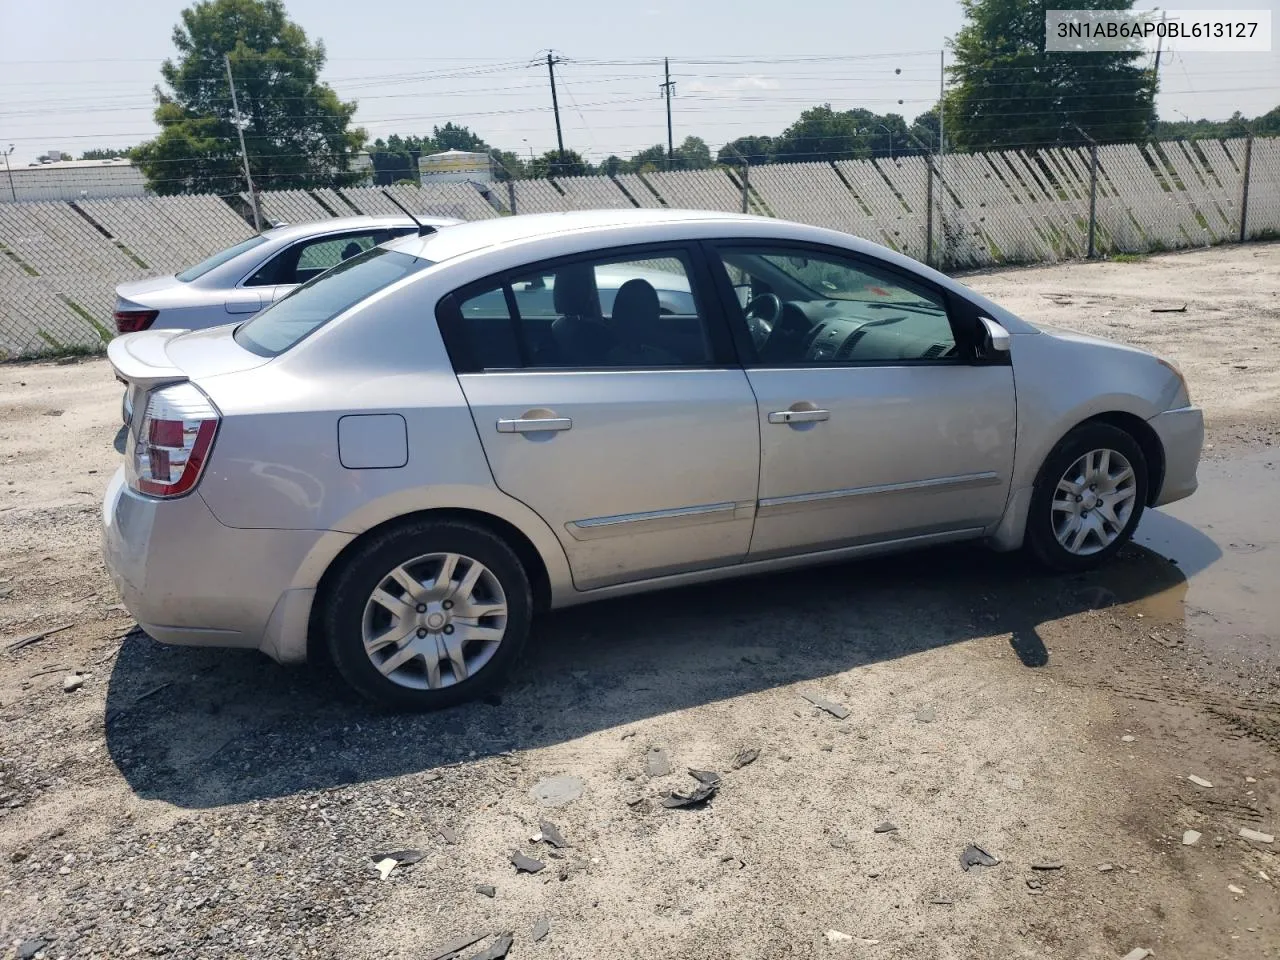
(627, 426)
(878, 419)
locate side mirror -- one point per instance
(996, 341)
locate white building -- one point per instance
(456, 166)
(72, 180)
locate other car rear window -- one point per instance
(218, 259)
(312, 305)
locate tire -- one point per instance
(1057, 513)
(433, 624)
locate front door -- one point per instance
(604, 395)
(877, 420)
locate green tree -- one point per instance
(106, 153)
(752, 150)
(297, 132)
(552, 164)
(692, 154)
(1009, 91)
(650, 158)
(825, 134)
(614, 165)
(507, 165)
(451, 137)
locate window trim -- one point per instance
(702, 287)
(963, 322)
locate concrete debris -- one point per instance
(385, 866)
(1128, 738)
(942, 902)
(448, 834)
(1190, 838)
(29, 948)
(1256, 835)
(1199, 781)
(657, 763)
(1138, 953)
(886, 827)
(558, 790)
(835, 936)
(1232, 888)
(525, 864)
(926, 714)
(1048, 865)
(549, 834)
(1105, 867)
(1250, 780)
(541, 929)
(744, 758)
(835, 709)
(487, 890)
(974, 856)
(497, 950)
(72, 682)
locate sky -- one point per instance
(78, 74)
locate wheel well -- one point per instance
(526, 552)
(1147, 439)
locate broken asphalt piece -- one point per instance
(487, 890)
(657, 763)
(942, 902)
(1260, 837)
(525, 864)
(744, 758)
(886, 827)
(497, 950)
(926, 715)
(72, 682)
(1190, 837)
(1047, 865)
(1137, 953)
(835, 936)
(708, 778)
(403, 858)
(453, 946)
(558, 790)
(694, 798)
(551, 835)
(1181, 309)
(29, 948)
(448, 834)
(835, 709)
(975, 856)
(1199, 781)
(541, 929)
(385, 866)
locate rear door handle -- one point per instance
(799, 416)
(534, 425)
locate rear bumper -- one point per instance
(1181, 434)
(188, 579)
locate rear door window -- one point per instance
(307, 260)
(311, 306)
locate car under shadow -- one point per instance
(201, 728)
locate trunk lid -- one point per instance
(155, 357)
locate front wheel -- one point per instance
(1088, 498)
(428, 614)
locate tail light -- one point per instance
(173, 441)
(132, 321)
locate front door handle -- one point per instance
(799, 416)
(534, 424)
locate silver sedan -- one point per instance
(401, 462)
(243, 279)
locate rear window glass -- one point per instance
(315, 303)
(218, 259)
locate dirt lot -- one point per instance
(202, 804)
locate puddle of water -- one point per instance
(1226, 539)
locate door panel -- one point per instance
(901, 451)
(654, 472)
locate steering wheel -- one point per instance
(762, 314)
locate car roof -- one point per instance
(294, 231)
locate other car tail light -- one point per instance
(172, 443)
(132, 321)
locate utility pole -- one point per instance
(942, 142)
(244, 154)
(12, 192)
(555, 104)
(666, 87)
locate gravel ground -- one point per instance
(200, 803)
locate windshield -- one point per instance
(318, 301)
(218, 259)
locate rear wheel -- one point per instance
(428, 615)
(1088, 498)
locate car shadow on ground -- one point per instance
(201, 728)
